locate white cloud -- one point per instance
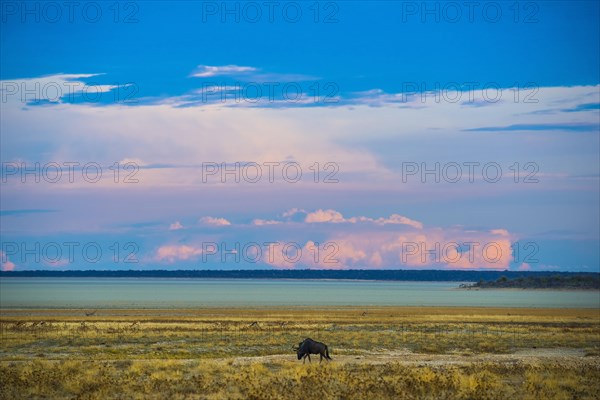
(261, 222)
(53, 88)
(177, 136)
(333, 216)
(166, 135)
(206, 71)
(399, 220)
(214, 221)
(249, 73)
(324, 216)
(135, 161)
(293, 211)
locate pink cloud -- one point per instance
(429, 248)
(311, 255)
(7, 265)
(524, 267)
(172, 253)
(175, 226)
(368, 246)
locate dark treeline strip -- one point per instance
(554, 281)
(354, 274)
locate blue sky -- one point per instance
(367, 90)
(368, 47)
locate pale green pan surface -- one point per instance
(191, 293)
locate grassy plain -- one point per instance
(378, 352)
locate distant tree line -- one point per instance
(554, 281)
(576, 279)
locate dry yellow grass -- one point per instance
(280, 380)
(379, 352)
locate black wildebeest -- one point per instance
(308, 347)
